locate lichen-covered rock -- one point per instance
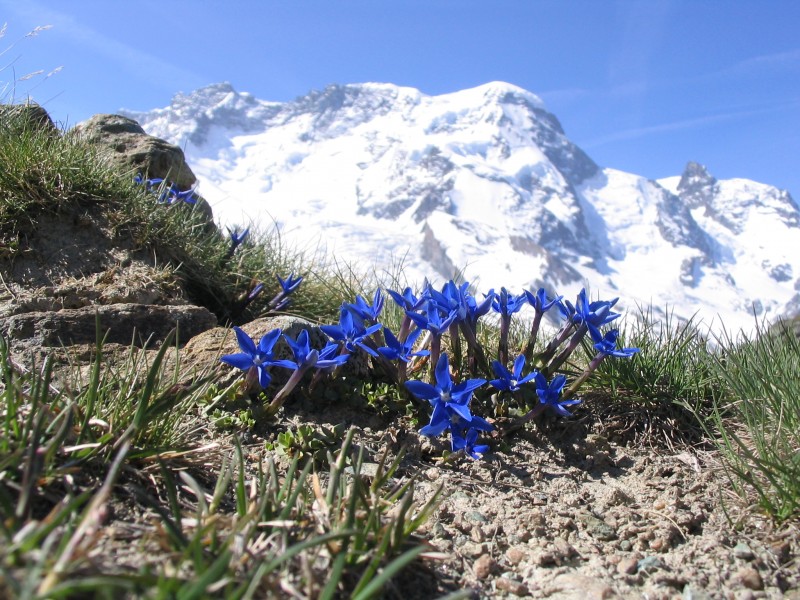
(124, 142)
(135, 324)
(29, 115)
(207, 348)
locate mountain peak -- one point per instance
(697, 186)
(485, 179)
(500, 92)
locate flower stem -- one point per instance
(554, 344)
(502, 351)
(591, 367)
(537, 320)
(436, 350)
(548, 370)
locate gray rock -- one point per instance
(29, 115)
(743, 551)
(597, 528)
(133, 324)
(124, 142)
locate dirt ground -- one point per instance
(586, 508)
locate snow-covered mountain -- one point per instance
(485, 180)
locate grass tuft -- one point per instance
(756, 412)
(672, 367)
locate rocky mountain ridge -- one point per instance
(485, 181)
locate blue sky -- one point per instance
(642, 86)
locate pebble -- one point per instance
(743, 551)
(472, 549)
(628, 566)
(597, 528)
(590, 588)
(563, 548)
(432, 474)
(484, 566)
(782, 552)
(649, 563)
(750, 578)
(660, 544)
(515, 555)
(475, 516)
(512, 586)
(476, 535)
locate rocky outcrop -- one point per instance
(123, 142)
(27, 116)
(70, 271)
(697, 186)
(133, 324)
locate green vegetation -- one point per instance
(248, 532)
(45, 171)
(756, 417)
(742, 392)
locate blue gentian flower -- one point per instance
(305, 356)
(468, 443)
(540, 305)
(507, 304)
(432, 319)
(452, 299)
(550, 394)
(188, 196)
(236, 238)
(584, 317)
(592, 314)
(397, 350)
(437, 324)
(476, 310)
(450, 403)
(253, 294)
(367, 312)
(539, 300)
(258, 358)
(167, 194)
(330, 357)
(290, 284)
(149, 184)
(407, 300)
(351, 332)
(607, 345)
(508, 381)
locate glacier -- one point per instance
(485, 183)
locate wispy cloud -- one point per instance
(789, 59)
(629, 90)
(682, 124)
(137, 63)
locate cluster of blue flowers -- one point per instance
(454, 311)
(166, 191)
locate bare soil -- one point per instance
(583, 508)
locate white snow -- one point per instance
(493, 187)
